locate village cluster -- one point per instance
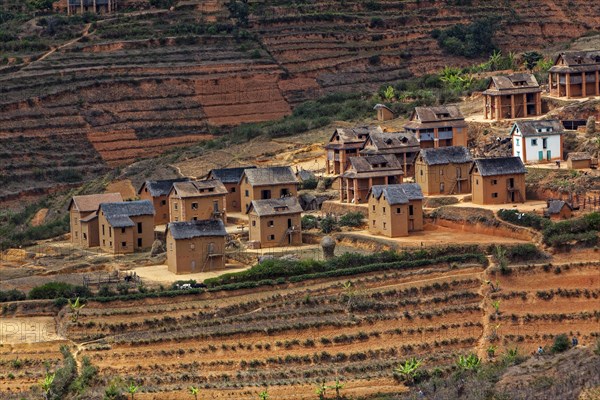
(387, 173)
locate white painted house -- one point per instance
(537, 141)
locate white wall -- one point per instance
(532, 151)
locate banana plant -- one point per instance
(408, 371)
(389, 93)
(132, 389)
(47, 385)
(468, 363)
(264, 395)
(321, 391)
(75, 306)
(337, 386)
(194, 391)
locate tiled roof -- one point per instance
(161, 187)
(436, 114)
(378, 165)
(209, 187)
(228, 175)
(555, 207)
(118, 214)
(578, 61)
(446, 155)
(398, 194)
(193, 229)
(270, 176)
(533, 128)
(514, 81)
(500, 166)
(392, 140)
(282, 206)
(351, 137)
(579, 156)
(91, 202)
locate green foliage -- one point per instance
(11, 295)
(408, 371)
(309, 184)
(328, 224)
(524, 219)
(309, 222)
(561, 343)
(162, 3)
(64, 376)
(239, 10)
(86, 377)
(54, 290)
(471, 41)
(468, 363)
(40, 4)
(352, 219)
(531, 58)
(583, 230)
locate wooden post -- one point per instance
(524, 105)
(538, 103)
(347, 191)
(550, 82)
(568, 85)
(583, 85)
(597, 83)
(81, 5)
(498, 108)
(512, 106)
(485, 106)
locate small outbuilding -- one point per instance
(196, 246)
(384, 113)
(558, 209)
(579, 160)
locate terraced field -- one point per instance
(291, 338)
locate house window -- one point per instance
(384, 225)
(174, 206)
(233, 189)
(271, 223)
(195, 219)
(534, 142)
(192, 246)
(518, 154)
(75, 234)
(163, 202)
(84, 235)
(253, 223)
(176, 219)
(285, 192)
(110, 243)
(122, 230)
(110, 231)
(373, 208)
(373, 222)
(494, 181)
(545, 143)
(517, 142)
(194, 206)
(398, 210)
(384, 210)
(271, 237)
(265, 194)
(411, 210)
(421, 172)
(139, 226)
(164, 215)
(494, 195)
(139, 242)
(170, 246)
(477, 181)
(442, 187)
(441, 172)
(123, 244)
(247, 193)
(103, 242)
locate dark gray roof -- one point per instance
(305, 175)
(270, 176)
(537, 128)
(228, 175)
(446, 155)
(555, 207)
(351, 137)
(579, 156)
(436, 114)
(577, 61)
(514, 81)
(193, 229)
(398, 194)
(285, 205)
(392, 140)
(499, 166)
(118, 214)
(161, 187)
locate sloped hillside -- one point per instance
(79, 95)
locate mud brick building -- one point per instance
(579, 160)
(512, 96)
(395, 210)
(364, 172)
(195, 246)
(87, 6)
(83, 214)
(126, 226)
(198, 200)
(230, 177)
(275, 222)
(558, 210)
(345, 144)
(383, 112)
(498, 180)
(575, 74)
(267, 183)
(537, 141)
(442, 126)
(158, 193)
(444, 170)
(404, 146)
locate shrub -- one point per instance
(54, 290)
(309, 222)
(11, 295)
(328, 224)
(309, 184)
(352, 219)
(561, 343)
(471, 41)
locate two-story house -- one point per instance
(126, 226)
(404, 146)
(364, 172)
(395, 210)
(197, 200)
(275, 222)
(267, 183)
(537, 141)
(444, 170)
(84, 217)
(498, 180)
(441, 126)
(344, 144)
(575, 74)
(158, 193)
(230, 177)
(512, 96)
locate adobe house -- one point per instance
(441, 126)
(195, 246)
(383, 112)
(87, 6)
(575, 74)
(364, 172)
(230, 177)
(84, 218)
(267, 183)
(512, 96)
(158, 193)
(345, 144)
(126, 227)
(395, 210)
(537, 141)
(404, 146)
(197, 200)
(444, 170)
(498, 180)
(275, 222)
(579, 160)
(558, 209)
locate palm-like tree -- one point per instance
(194, 391)
(47, 385)
(389, 93)
(337, 386)
(264, 395)
(76, 306)
(321, 391)
(409, 369)
(495, 60)
(132, 389)
(468, 363)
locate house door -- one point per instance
(193, 266)
(541, 155)
(549, 155)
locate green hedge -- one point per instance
(55, 290)
(11, 295)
